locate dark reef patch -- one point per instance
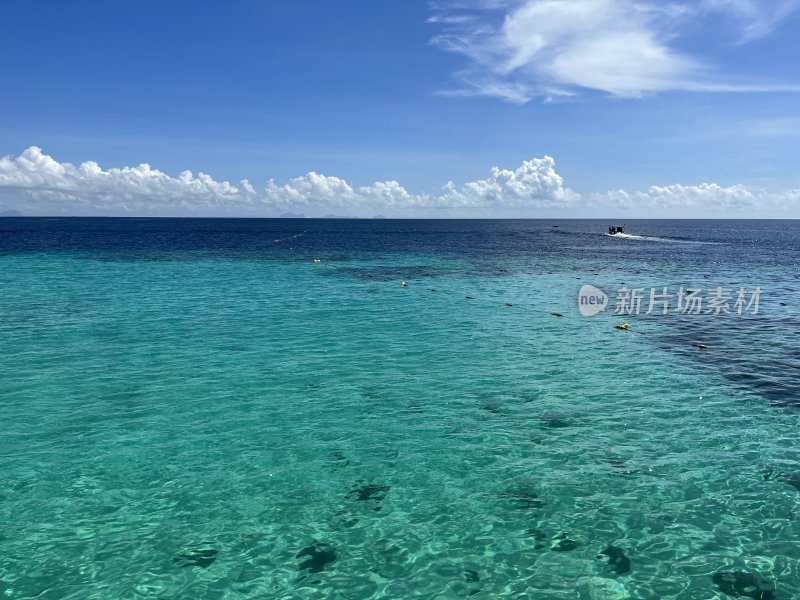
(792, 478)
(201, 556)
(492, 406)
(744, 584)
(562, 543)
(536, 437)
(554, 420)
(538, 535)
(317, 556)
(339, 458)
(369, 492)
(616, 559)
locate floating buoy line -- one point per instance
(404, 284)
(622, 326)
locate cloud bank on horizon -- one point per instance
(43, 184)
(34, 183)
(521, 49)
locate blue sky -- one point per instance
(624, 95)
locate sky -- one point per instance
(441, 108)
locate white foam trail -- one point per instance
(647, 238)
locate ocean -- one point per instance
(359, 409)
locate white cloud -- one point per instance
(34, 183)
(535, 183)
(705, 195)
(42, 177)
(42, 185)
(526, 48)
(705, 199)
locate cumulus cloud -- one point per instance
(43, 185)
(535, 183)
(707, 195)
(521, 49)
(705, 199)
(42, 177)
(34, 183)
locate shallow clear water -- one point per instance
(196, 409)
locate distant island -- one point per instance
(10, 213)
(289, 215)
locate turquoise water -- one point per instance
(206, 423)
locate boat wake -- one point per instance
(648, 238)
